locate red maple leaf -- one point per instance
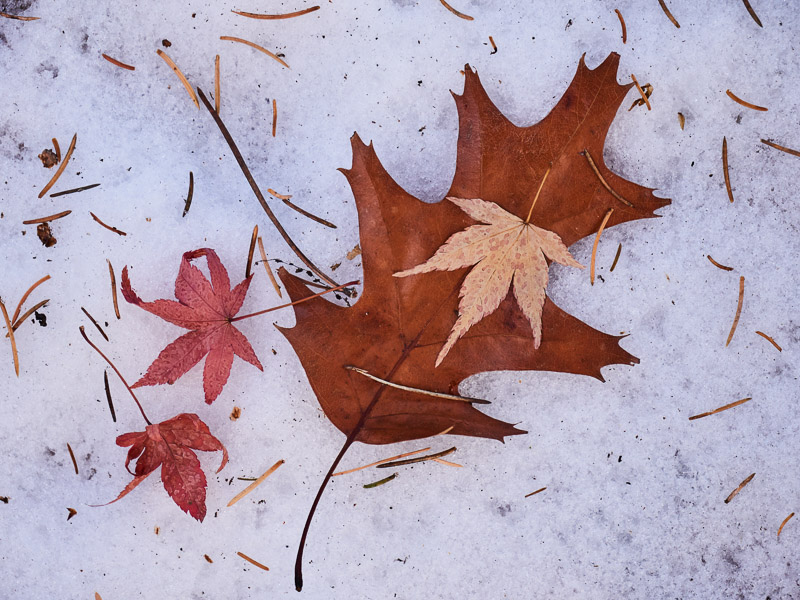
(208, 309)
(169, 444)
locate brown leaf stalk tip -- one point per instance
(217, 84)
(95, 323)
(455, 12)
(274, 117)
(718, 265)
(257, 47)
(189, 194)
(180, 75)
(622, 24)
(536, 492)
(745, 103)
(375, 484)
(298, 13)
(720, 409)
(117, 63)
(596, 242)
(256, 483)
(72, 456)
(786, 520)
(739, 489)
(109, 227)
(416, 390)
(48, 218)
(669, 14)
(253, 561)
(25, 297)
(781, 148)
(307, 214)
(61, 167)
(725, 172)
(10, 329)
(250, 252)
(265, 262)
(113, 289)
(410, 461)
(378, 462)
(597, 173)
(738, 311)
(770, 340)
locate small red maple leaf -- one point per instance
(207, 308)
(169, 444)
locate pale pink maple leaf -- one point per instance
(207, 309)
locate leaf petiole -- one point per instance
(265, 311)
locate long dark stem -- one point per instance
(306, 299)
(100, 352)
(243, 166)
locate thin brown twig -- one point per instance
(456, 12)
(305, 213)
(300, 301)
(718, 265)
(378, 462)
(16, 325)
(113, 288)
(592, 164)
(18, 17)
(25, 297)
(279, 196)
(217, 84)
(720, 409)
(745, 103)
(265, 262)
(253, 561)
(738, 311)
(61, 167)
(109, 227)
(264, 17)
(596, 242)
(752, 13)
(669, 14)
(622, 24)
(781, 148)
(725, 172)
(250, 252)
(274, 117)
(770, 340)
(416, 390)
(536, 492)
(83, 188)
(411, 461)
(72, 456)
(256, 46)
(259, 196)
(786, 520)
(48, 218)
(739, 489)
(10, 329)
(256, 483)
(95, 323)
(641, 91)
(118, 63)
(180, 75)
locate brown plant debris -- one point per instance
(786, 520)
(118, 63)
(208, 558)
(265, 262)
(108, 396)
(274, 117)
(307, 214)
(113, 289)
(49, 158)
(297, 13)
(354, 252)
(250, 252)
(47, 218)
(669, 14)
(235, 413)
(681, 120)
(599, 176)
(217, 84)
(25, 297)
(536, 492)
(616, 258)
(46, 235)
(252, 561)
(189, 194)
(257, 47)
(378, 462)
(180, 75)
(279, 196)
(57, 149)
(647, 88)
(494, 46)
(738, 311)
(645, 97)
(455, 12)
(718, 265)
(72, 456)
(18, 17)
(256, 483)
(10, 329)
(752, 12)
(596, 242)
(409, 461)
(720, 409)
(736, 98)
(781, 148)
(725, 172)
(770, 340)
(71, 513)
(74, 190)
(447, 463)
(95, 323)
(622, 24)
(375, 484)
(28, 313)
(739, 489)
(109, 227)
(61, 167)
(417, 390)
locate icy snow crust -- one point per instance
(634, 501)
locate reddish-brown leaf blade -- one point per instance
(185, 482)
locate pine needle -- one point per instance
(718, 265)
(738, 311)
(725, 172)
(109, 227)
(739, 489)
(252, 561)
(61, 167)
(117, 63)
(83, 188)
(25, 297)
(290, 15)
(455, 12)
(108, 396)
(72, 456)
(745, 103)
(616, 258)
(257, 47)
(781, 148)
(416, 390)
(48, 218)
(274, 117)
(752, 12)
(770, 340)
(28, 313)
(669, 14)
(113, 289)
(250, 252)
(536, 492)
(786, 520)
(18, 17)
(380, 482)
(256, 483)
(180, 75)
(622, 24)
(641, 91)
(265, 262)
(447, 463)
(216, 84)
(307, 214)
(10, 329)
(720, 409)
(378, 462)
(602, 180)
(596, 242)
(189, 194)
(410, 461)
(95, 323)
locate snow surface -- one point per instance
(634, 501)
